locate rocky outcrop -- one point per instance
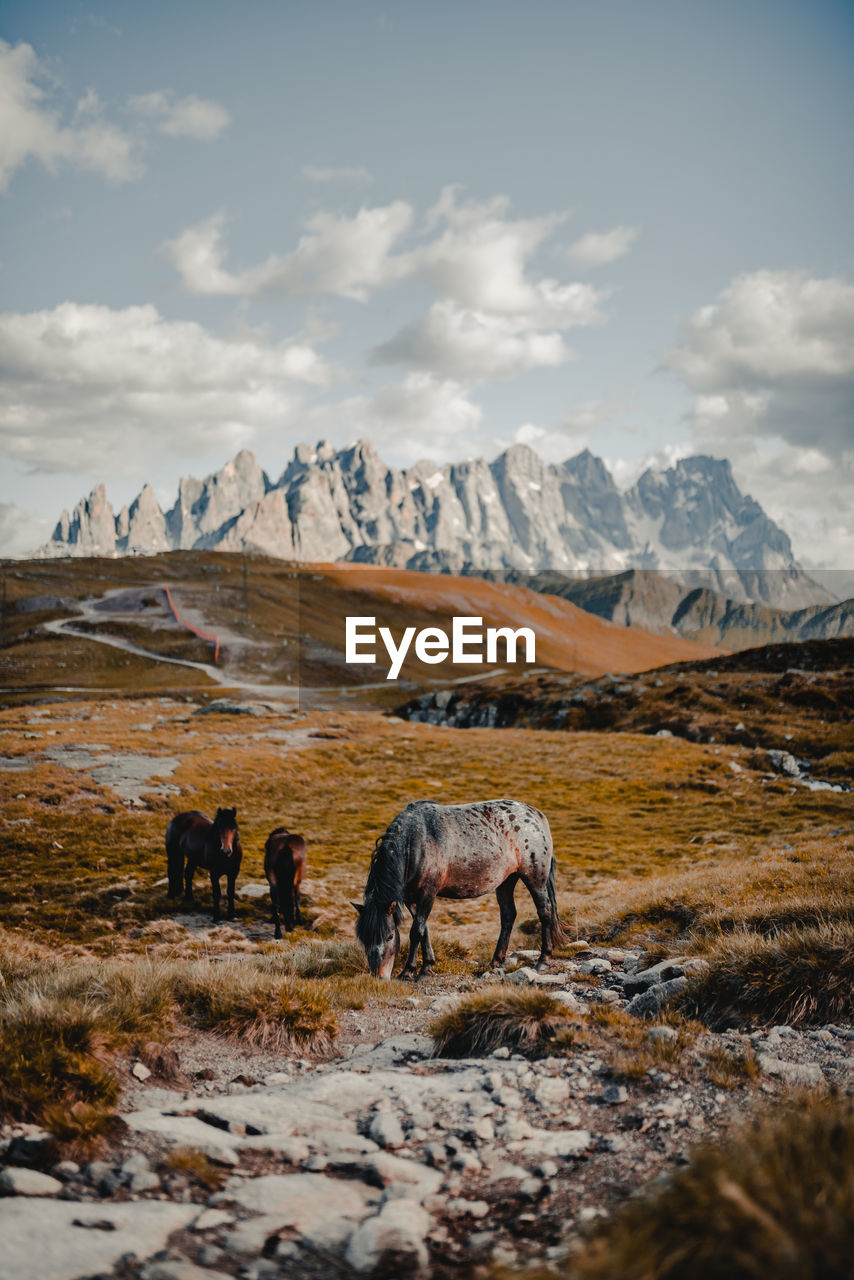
(516, 513)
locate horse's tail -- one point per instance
(174, 862)
(558, 932)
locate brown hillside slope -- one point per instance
(568, 638)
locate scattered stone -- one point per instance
(613, 1095)
(394, 1239)
(809, 1074)
(570, 1001)
(16, 1181)
(527, 976)
(784, 762)
(595, 966)
(253, 890)
(662, 1035)
(72, 1237)
(386, 1130)
(36, 1149)
(655, 998)
(208, 1219)
(469, 1208)
(642, 980)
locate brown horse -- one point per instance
(456, 851)
(284, 867)
(215, 846)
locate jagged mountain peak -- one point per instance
(516, 512)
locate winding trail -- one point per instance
(93, 610)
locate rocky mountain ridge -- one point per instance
(668, 605)
(516, 512)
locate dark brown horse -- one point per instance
(456, 851)
(284, 867)
(214, 846)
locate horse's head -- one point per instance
(225, 827)
(378, 932)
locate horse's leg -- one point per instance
(231, 882)
(297, 913)
(407, 973)
(419, 937)
(188, 880)
(216, 895)
(428, 959)
(547, 916)
(507, 906)
(274, 899)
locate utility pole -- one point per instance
(3, 624)
(245, 594)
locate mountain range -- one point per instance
(518, 513)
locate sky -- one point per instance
(447, 228)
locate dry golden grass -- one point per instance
(235, 999)
(195, 1165)
(729, 1068)
(775, 1201)
(62, 1024)
(810, 882)
(797, 976)
(525, 1021)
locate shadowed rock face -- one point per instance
(514, 513)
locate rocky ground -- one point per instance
(385, 1160)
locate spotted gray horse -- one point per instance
(434, 851)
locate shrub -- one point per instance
(235, 999)
(778, 1200)
(522, 1020)
(54, 1066)
(799, 977)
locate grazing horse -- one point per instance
(284, 867)
(212, 845)
(455, 851)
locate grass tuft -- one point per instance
(195, 1165)
(800, 977)
(776, 1201)
(235, 999)
(55, 1066)
(729, 1068)
(525, 1021)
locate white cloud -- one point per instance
(31, 129)
(771, 365)
(357, 177)
(189, 117)
(492, 319)
(457, 343)
(477, 260)
(774, 356)
(420, 417)
(20, 533)
(85, 383)
(480, 261)
(600, 247)
(569, 437)
(347, 257)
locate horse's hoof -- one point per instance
(425, 973)
(406, 975)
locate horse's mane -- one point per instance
(385, 882)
